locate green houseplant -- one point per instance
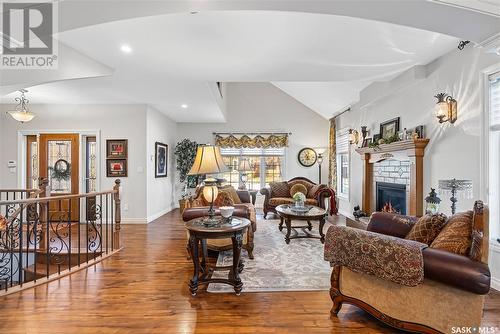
(185, 152)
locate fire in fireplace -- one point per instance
(391, 197)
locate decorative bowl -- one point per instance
(226, 211)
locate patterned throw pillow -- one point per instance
(279, 189)
(3, 223)
(427, 228)
(223, 199)
(456, 235)
(476, 248)
(232, 193)
(298, 188)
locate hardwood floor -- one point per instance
(144, 290)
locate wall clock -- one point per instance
(307, 157)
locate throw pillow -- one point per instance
(3, 223)
(232, 193)
(456, 235)
(476, 250)
(223, 199)
(279, 189)
(314, 190)
(298, 188)
(427, 228)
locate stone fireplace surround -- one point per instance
(400, 162)
(391, 171)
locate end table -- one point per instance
(198, 233)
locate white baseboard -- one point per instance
(158, 214)
(495, 283)
(134, 221)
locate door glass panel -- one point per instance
(91, 172)
(32, 181)
(59, 165)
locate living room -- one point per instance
(278, 140)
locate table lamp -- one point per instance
(208, 160)
(453, 187)
(244, 167)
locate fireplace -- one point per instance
(391, 197)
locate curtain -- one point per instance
(332, 155)
(247, 141)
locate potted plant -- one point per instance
(185, 152)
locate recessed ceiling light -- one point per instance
(184, 106)
(126, 48)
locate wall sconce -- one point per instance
(446, 108)
(353, 136)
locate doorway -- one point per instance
(59, 162)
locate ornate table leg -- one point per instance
(280, 226)
(193, 283)
(309, 225)
(204, 255)
(321, 225)
(288, 223)
(237, 243)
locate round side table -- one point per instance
(287, 214)
(198, 233)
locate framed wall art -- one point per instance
(116, 148)
(116, 168)
(161, 159)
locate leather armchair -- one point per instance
(451, 295)
(244, 210)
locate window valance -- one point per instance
(251, 141)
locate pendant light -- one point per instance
(21, 113)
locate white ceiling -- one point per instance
(321, 60)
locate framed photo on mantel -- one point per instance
(389, 128)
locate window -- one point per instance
(343, 163)
(267, 166)
(494, 153)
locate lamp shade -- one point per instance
(208, 160)
(22, 116)
(244, 166)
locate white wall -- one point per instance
(261, 107)
(159, 128)
(113, 122)
(454, 151)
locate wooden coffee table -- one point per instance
(286, 215)
(198, 233)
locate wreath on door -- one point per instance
(61, 170)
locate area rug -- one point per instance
(298, 266)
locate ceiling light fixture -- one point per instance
(21, 113)
(184, 106)
(126, 48)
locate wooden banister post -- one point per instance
(43, 182)
(118, 216)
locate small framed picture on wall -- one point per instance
(116, 148)
(116, 168)
(161, 159)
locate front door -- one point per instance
(59, 162)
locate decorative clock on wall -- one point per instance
(307, 157)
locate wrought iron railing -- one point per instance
(43, 237)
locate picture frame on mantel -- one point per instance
(389, 128)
